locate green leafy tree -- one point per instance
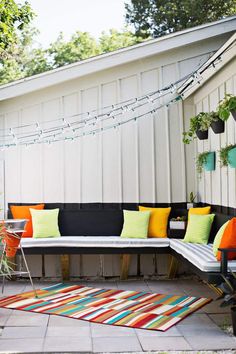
(81, 46)
(114, 40)
(13, 18)
(27, 60)
(160, 17)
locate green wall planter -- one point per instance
(210, 164)
(232, 157)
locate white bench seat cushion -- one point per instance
(200, 255)
(94, 241)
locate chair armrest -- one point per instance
(224, 259)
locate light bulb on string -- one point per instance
(173, 88)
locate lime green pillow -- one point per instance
(198, 229)
(135, 224)
(218, 237)
(45, 223)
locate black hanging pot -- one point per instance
(218, 126)
(233, 317)
(202, 134)
(233, 114)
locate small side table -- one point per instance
(14, 228)
(177, 229)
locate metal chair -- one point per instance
(14, 228)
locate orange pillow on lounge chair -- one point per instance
(228, 239)
(23, 212)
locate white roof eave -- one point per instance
(119, 57)
(226, 53)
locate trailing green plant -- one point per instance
(223, 154)
(179, 218)
(201, 121)
(192, 197)
(200, 161)
(226, 106)
(6, 266)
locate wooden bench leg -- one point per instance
(173, 267)
(125, 262)
(218, 291)
(65, 266)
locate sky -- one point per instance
(93, 16)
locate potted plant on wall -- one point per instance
(6, 266)
(178, 223)
(206, 161)
(199, 125)
(217, 124)
(227, 106)
(192, 198)
(228, 156)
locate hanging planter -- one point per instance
(202, 134)
(228, 156)
(217, 124)
(227, 106)
(232, 157)
(234, 114)
(206, 161)
(199, 126)
(210, 161)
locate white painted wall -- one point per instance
(217, 187)
(140, 162)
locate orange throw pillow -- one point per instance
(228, 239)
(23, 212)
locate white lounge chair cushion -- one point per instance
(200, 255)
(94, 241)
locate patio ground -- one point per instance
(36, 333)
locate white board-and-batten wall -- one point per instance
(219, 186)
(143, 161)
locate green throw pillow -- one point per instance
(45, 223)
(218, 237)
(135, 224)
(198, 229)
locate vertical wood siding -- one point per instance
(143, 161)
(217, 187)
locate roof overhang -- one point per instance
(119, 57)
(224, 55)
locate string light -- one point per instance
(56, 132)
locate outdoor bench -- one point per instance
(96, 231)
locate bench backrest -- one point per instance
(97, 219)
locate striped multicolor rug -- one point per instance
(108, 306)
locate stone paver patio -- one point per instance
(36, 333)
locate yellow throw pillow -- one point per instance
(158, 221)
(199, 211)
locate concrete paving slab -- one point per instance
(172, 332)
(213, 342)
(23, 332)
(67, 344)
(26, 345)
(27, 321)
(164, 343)
(102, 330)
(68, 331)
(116, 344)
(221, 319)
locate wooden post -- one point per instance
(65, 266)
(173, 267)
(125, 262)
